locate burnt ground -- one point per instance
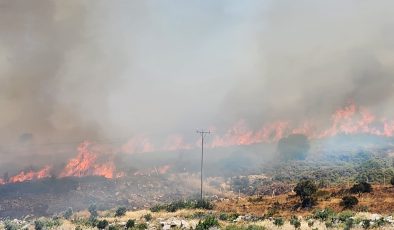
(51, 196)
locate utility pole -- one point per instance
(203, 134)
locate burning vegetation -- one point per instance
(94, 159)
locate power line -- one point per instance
(203, 134)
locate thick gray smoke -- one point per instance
(74, 70)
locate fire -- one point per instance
(85, 164)
(31, 175)
(350, 119)
(92, 159)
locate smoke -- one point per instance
(108, 70)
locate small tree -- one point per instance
(305, 189)
(278, 222)
(130, 224)
(121, 211)
(349, 201)
(102, 224)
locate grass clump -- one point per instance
(208, 222)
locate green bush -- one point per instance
(102, 224)
(157, 208)
(278, 222)
(130, 224)
(9, 225)
(305, 189)
(148, 217)
(183, 204)
(362, 187)
(208, 222)
(114, 227)
(223, 216)
(204, 204)
(366, 224)
(255, 227)
(121, 211)
(295, 222)
(324, 214)
(141, 226)
(349, 224)
(38, 225)
(345, 215)
(349, 201)
(44, 223)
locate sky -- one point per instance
(94, 69)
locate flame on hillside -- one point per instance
(96, 160)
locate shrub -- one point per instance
(366, 224)
(329, 224)
(278, 222)
(349, 224)
(349, 201)
(78, 228)
(305, 189)
(114, 227)
(121, 211)
(295, 222)
(141, 226)
(157, 208)
(93, 211)
(255, 227)
(392, 181)
(38, 225)
(362, 187)
(208, 222)
(223, 216)
(243, 227)
(183, 204)
(68, 213)
(44, 223)
(324, 214)
(148, 217)
(345, 215)
(9, 225)
(102, 224)
(204, 204)
(380, 222)
(130, 224)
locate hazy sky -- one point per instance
(73, 70)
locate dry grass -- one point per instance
(381, 200)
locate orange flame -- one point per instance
(350, 119)
(31, 175)
(84, 164)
